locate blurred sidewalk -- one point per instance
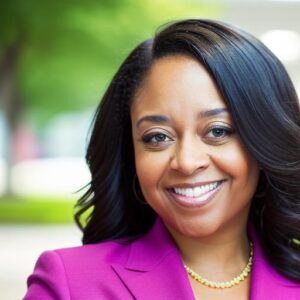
(20, 246)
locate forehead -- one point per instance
(177, 83)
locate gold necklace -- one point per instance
(224, 284)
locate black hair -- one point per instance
(265, 110)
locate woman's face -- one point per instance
(192, 167)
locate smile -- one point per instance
(195, 196)
(196, 191)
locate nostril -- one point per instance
(189, 165)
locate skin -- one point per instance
(178, 143)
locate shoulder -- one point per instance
(110, 270)
(87, 256)
(61, 273)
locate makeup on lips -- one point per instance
(195, 195)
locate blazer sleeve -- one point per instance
(48, 280)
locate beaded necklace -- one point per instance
(224, 284)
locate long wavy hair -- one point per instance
(264, 106)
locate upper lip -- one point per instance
(194, 184)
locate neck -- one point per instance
(219, 256)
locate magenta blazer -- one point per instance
(148, 268)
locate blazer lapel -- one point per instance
(154, 267)
(266, 282)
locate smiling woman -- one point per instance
(194, 158)
(203, 178)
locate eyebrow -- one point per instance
(213, 112)
(154, 119)
(161, 119)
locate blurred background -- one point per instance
(56, 60)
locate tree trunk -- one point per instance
(10, 104)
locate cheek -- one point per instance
(150, 166)
(237, 162)
(243, 173)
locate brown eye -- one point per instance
(219, 132)
(159, 137)
(155, 138)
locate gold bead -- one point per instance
(226, 284)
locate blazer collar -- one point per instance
(266, 282)
(154, 267)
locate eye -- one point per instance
(156, 138)
(219, 132)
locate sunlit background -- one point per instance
(56, 60)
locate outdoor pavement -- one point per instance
(20, 246)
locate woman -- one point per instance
(195, 191)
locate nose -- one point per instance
(190, 156)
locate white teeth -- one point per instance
(189, 192)
(196, 191)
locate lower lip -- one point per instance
(195, 202)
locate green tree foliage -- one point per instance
(66, 51)
(59, 55)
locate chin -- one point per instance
(198, 233)
(193, 229)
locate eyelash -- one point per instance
(226, 131)
(148, 137)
